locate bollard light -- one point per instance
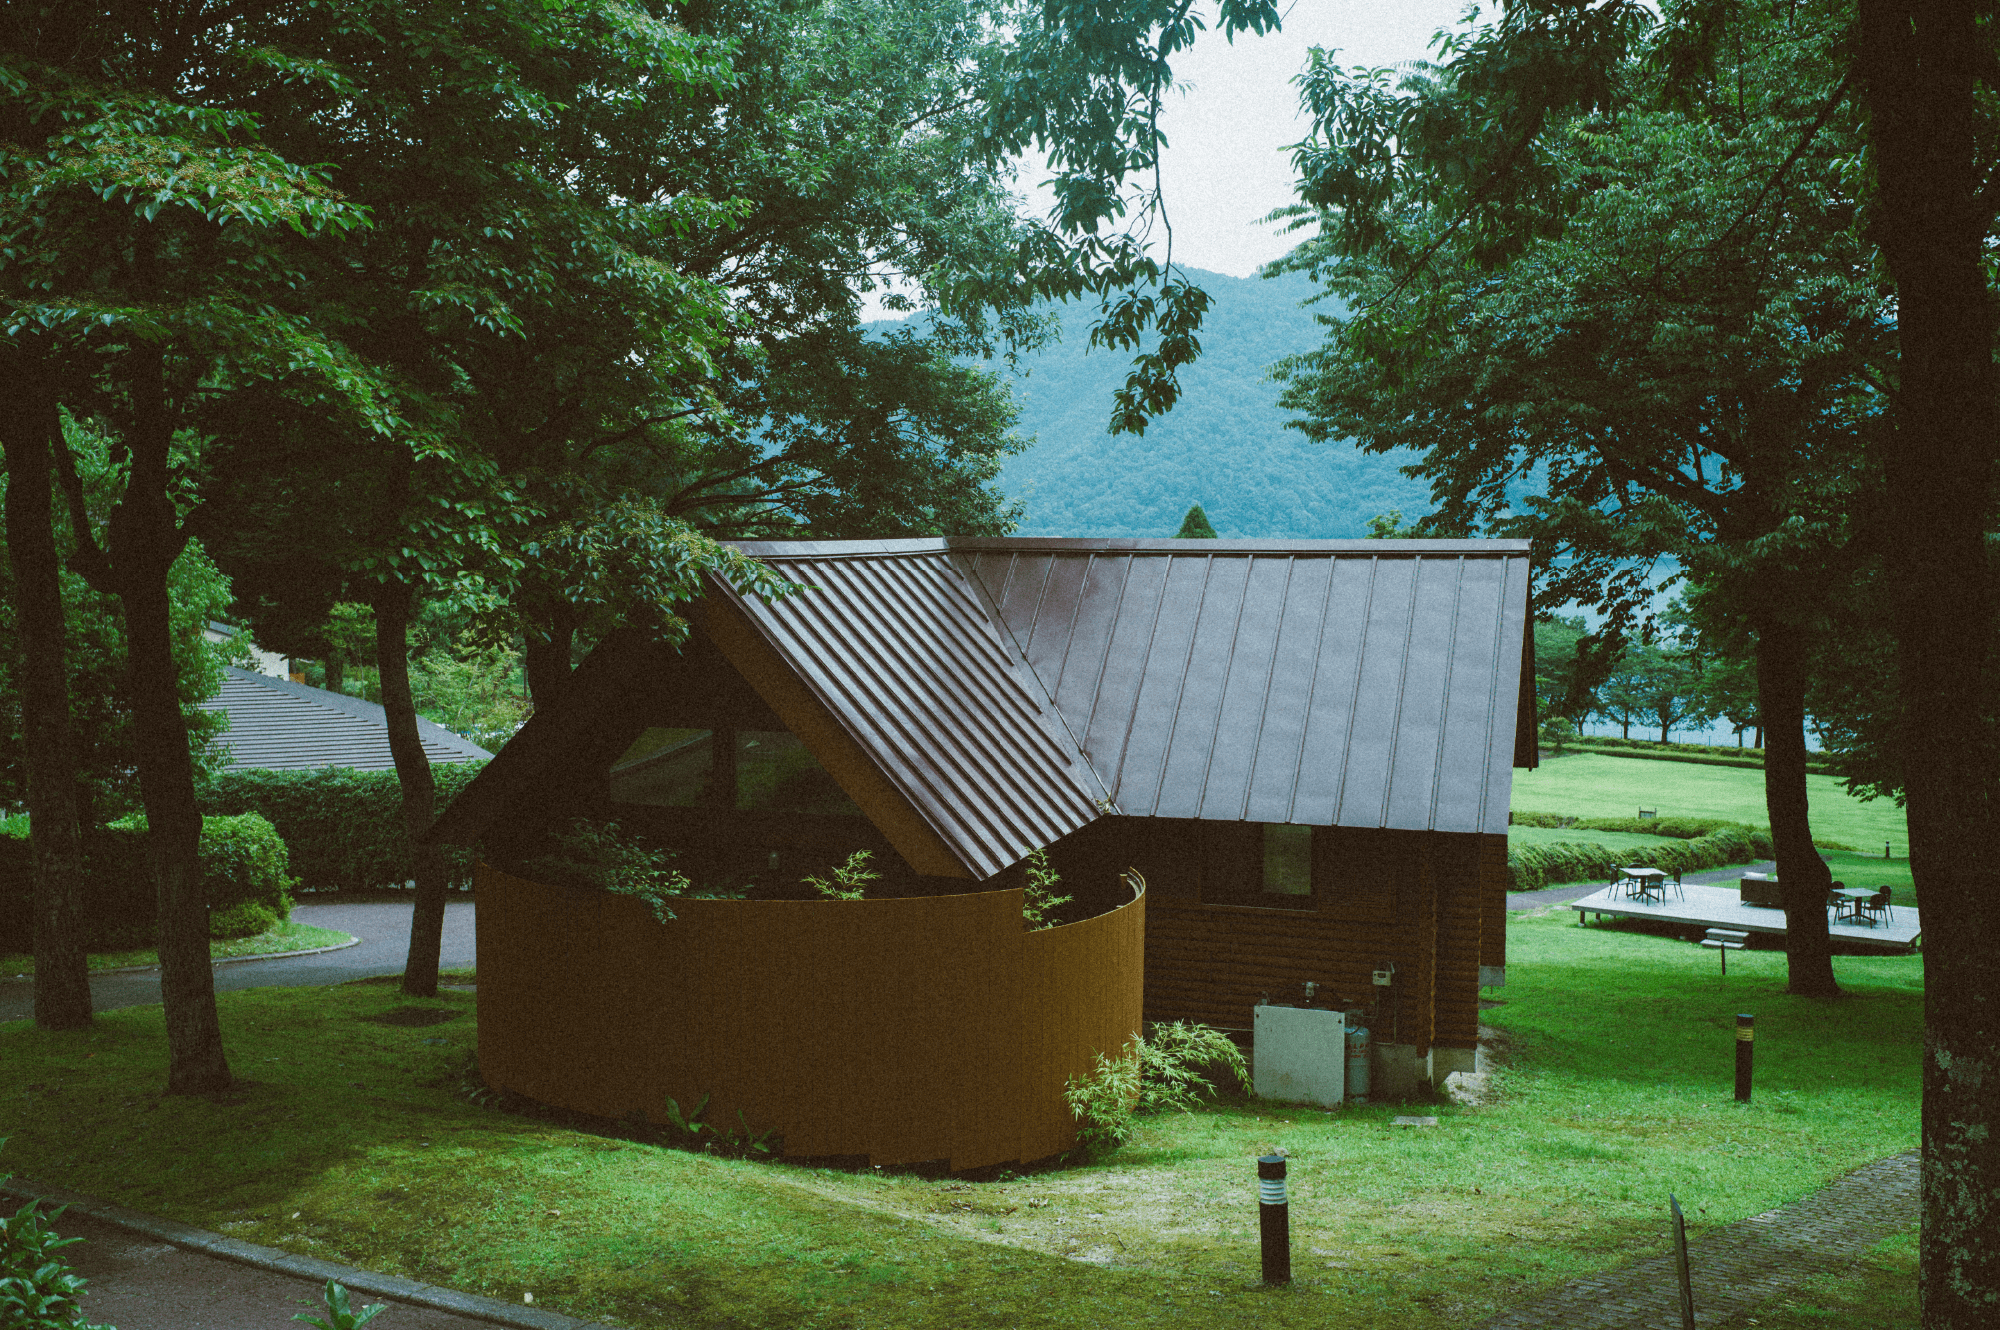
(1746, 1033)
(1274, 1215)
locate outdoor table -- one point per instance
(1853, 896)
(1650, 881)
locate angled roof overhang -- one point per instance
(892, 670)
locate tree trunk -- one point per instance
(336, 672)
(393, 602)
(30, 427)
(1803, 876)
(145, 540)
(546, 647)
(1921, 68)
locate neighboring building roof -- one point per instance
(980, 698)
(277, 724)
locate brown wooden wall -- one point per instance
(1494, 880)
(904, 1030)
(1414, 900)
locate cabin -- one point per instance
(1303, 747)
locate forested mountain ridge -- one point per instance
(1225, 446)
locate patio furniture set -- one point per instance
(1862, 906)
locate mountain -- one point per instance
(1224, 446)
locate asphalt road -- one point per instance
(381, 919)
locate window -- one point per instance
(766, 770)
(1268, 865)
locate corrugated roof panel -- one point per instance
(1471, 701)
(898, 646)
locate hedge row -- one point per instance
(1535, 866)
(344, 828)
(1677, 828)
(243, 872)
(1698, 754)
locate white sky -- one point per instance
(1226, 167)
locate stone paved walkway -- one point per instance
(1738, 1267)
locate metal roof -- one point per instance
(1343, 683)
(896, 645)
(277, 724)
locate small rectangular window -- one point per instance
(1287, 860)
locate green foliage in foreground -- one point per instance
(37, 1289)
(1594, 785)
(1613, 1089)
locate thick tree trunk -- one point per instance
(1921, 67)
(393, 604)
(1803, 875)
(336, 672)
(145, 540)
(30, 428)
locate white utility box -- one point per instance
(1300, 1055)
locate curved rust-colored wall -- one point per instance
(905, 1030)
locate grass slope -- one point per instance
(347, 1141)
(1592, 785)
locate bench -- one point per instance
(1722, 941)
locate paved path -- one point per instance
(1740, 1266)
(381, 919)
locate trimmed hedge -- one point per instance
(243, 866)
(1535, 866)
(1677, 828)
(1699, 754)
(344, 827)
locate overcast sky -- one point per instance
(1226, 167)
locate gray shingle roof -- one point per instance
(280, 725)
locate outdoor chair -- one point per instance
(1876, 904)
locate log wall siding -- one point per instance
(1456, 863)
(1494, 880)
(1214, 963)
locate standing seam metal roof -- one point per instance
(1007, 685)
(1363, 683)
(895, 642)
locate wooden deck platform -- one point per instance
(1719, 907)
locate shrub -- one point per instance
(1039, 901)
(1103, 1103)
(597, 856)
(1181, 1063)
(849, 881)
(1535, 866)
(1176, 1067)
(244, 873)
(344, 828)
(37, 1289)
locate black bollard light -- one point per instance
(1746, 1033)
(1274, 1215)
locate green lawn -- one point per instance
(348, 1141)
(1593, 785)
(288, 936)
